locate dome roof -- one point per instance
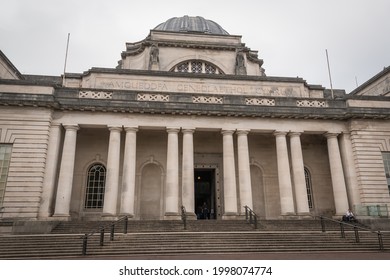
(191, 24)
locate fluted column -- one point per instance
(188, 191)
(65, 179)
(284, 176)
(172, 176)
(298, 173)
(129, 168)
(53, 150)
(229, 174)
(112, 178)
(244, 173)
(337, 174)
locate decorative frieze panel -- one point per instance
(207, 99)
(311, 103)
(260, 101)
(152, 97)
(95, 94)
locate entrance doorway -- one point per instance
(205, 193)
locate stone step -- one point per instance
(83, 227)
(70, 246)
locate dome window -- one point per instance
(196, 67)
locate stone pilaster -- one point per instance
(48, 189)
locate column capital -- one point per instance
(329, 135)
(131, 128)
(173, 129)
(56, 125)
(294, 133)
(280, 133)
(114, 128)
(71, 126)
(243, 131)
(227, 132)
(188, 129)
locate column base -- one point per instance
(109, 217)
(289, 216)
(130, 216)
(304, 216)
(61, 217)
(172, 216)
(230, 216)
(191, 216)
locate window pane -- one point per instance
(96, 180)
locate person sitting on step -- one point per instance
(349, 216)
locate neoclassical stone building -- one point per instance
(189, 117)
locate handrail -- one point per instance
(101, 230)
(184, 216)
(356, 229)
(250, 216)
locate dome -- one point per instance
(191, 24)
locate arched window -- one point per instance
(196, 66)
(309, 189)
(96, 181)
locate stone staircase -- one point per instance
(156, 238)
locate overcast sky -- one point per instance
(290, 35)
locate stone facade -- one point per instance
(176, 124)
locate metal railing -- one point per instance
(101, 231)
(355, 227)
(184, 216)
(251, 217)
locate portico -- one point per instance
(176, 150)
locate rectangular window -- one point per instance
(386, 162)
(5, 159)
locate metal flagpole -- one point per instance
(330, 77)
(66, 58)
